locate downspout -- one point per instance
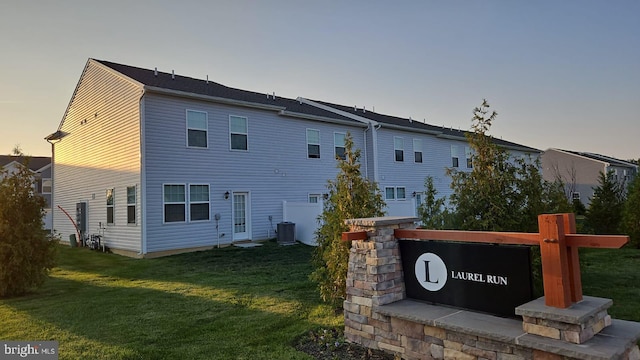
(143, 180)
(366, 162)
(374, 136)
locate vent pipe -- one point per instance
(274, 95)
(155, 72)
(410, 119)
(207, 79)
(173, 75)
(364, 109)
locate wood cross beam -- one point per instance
(558, 248)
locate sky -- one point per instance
(560, 74)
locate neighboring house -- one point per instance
(160, 163)
(580, 171)
(40, 166)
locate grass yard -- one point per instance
(225, 303)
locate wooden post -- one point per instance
(555, 264)
(575, 280)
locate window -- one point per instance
(196, 128)
(314, 198)
(131, 204)
(398, 146)
(313, 144)
(575, 196)
(198, 202)
(417, 150)
(174, 203)
(110, 208)
(395, 193)
(389, 193)
(454, 156)
(467, 154)
(238, 132)
(339, 143)
(46, 186)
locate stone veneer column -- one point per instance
(374, 278)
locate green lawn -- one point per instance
(226, 303)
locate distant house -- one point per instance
(580, 171)
(160, 163)
(40, 166)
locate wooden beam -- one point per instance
(512, 238)
(555, 266)
(573, 259)
(354, 235)
(597, 241)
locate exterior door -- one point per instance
(241, 223)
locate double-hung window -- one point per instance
(467, 154)
(454, 156)
(313, 144)
(398, 147)
(174, 202)
(314, 198)
(238, 132)
(47, 185)
(110, 206)
(197, 127)
(339, 144)
(198, 202)
(395, 193)
(417, 150)
(131, 204)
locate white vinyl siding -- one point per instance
(313, 144)
(197, 129)
(238, 133)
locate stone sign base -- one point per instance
(378, 315)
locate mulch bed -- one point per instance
(330, 344)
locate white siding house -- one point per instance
(166, 163)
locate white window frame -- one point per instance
(50, 186)
(468, 157)
(206, 130)
(397, 148)
(132, 204)
(199, 202)
(393, 193)
(404, 193)
(454, 155)
(111, 206)
(231, 133)
(318, 198)
(417, 148)
(311, 143)
(575, 195)
(164, 203)
(335, 144)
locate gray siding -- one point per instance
(579, 174)
(100, 151)
(275, 167)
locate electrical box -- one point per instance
(81, 216)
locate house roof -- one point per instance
(36, 163)
(293, 107)
(411, 124)
(603, 158)
(210, 88)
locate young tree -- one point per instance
(605, 211)
(350, 196)
(500, 193)
(26, 252)
(432, 212)
(631, 212)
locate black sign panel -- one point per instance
(484, 277)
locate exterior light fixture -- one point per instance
(226, 195)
